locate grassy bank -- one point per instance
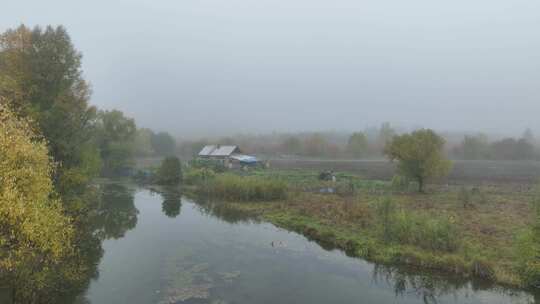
(471, 232)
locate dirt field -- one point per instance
(478, 172)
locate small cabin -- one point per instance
(219, 152)
(231, 156)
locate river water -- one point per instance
(166, 248)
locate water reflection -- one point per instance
(431, 287)
(204, 255)
(115, 211)
(172, 202)
(223, 211)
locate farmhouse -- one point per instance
(231, 156)
(219, 152)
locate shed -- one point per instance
(218, 151)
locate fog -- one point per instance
(216, 67)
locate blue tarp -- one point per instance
(245, 159)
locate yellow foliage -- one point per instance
(34, 232)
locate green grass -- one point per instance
(233, 187)
(434, 231)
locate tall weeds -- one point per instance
(407, 228)
(246, 188)
(528, 250)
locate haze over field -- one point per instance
(207, 67)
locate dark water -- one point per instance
(165, 248)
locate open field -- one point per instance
(463, 171)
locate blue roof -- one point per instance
(248, 159)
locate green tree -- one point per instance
(115, 139)
(528, 136)
(170, 171)
(41, 78)
(163, 144)
(386, 133)
(475, 147)
(292, 145)
(357, 145)
(143, 143)
(512, 149)
(316, 145)
(419, 155)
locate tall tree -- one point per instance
(419, 155)
(163, 144)
(528, 136)
(35, 234)
(143, 143)
(41, 76)
(474, 147)
(357, 145)
(292, 145)
(115, 139)
(170, 171)
(386, 133)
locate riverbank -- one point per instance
(469, 232)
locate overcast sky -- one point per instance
(219, 66)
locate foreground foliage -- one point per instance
(528, 250)
(34, 233)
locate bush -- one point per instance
(527, 257)
(386, 212)
(400, 182)
(247, 188)
(425, 231)
(170, 171)
(198, 176)
(528, 251)
(214, 165)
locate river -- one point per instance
(166, 248)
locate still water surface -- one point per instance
(173, 250)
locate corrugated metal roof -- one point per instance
(207, 150)
(224, 150)
(213, 150)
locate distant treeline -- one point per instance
(476, 147)
(368, 144)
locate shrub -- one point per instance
(386, 210)
(214, 165)
(438, 234)
(170, 171)
(425, 231)
(528, 251)
(400, 182)
(247, 188)
(198, 176)
(527, 257)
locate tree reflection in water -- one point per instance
(115, 211)
(172, 201)
(223, 211)
(109, 212)
(430, 287)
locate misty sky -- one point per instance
(218, 66)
